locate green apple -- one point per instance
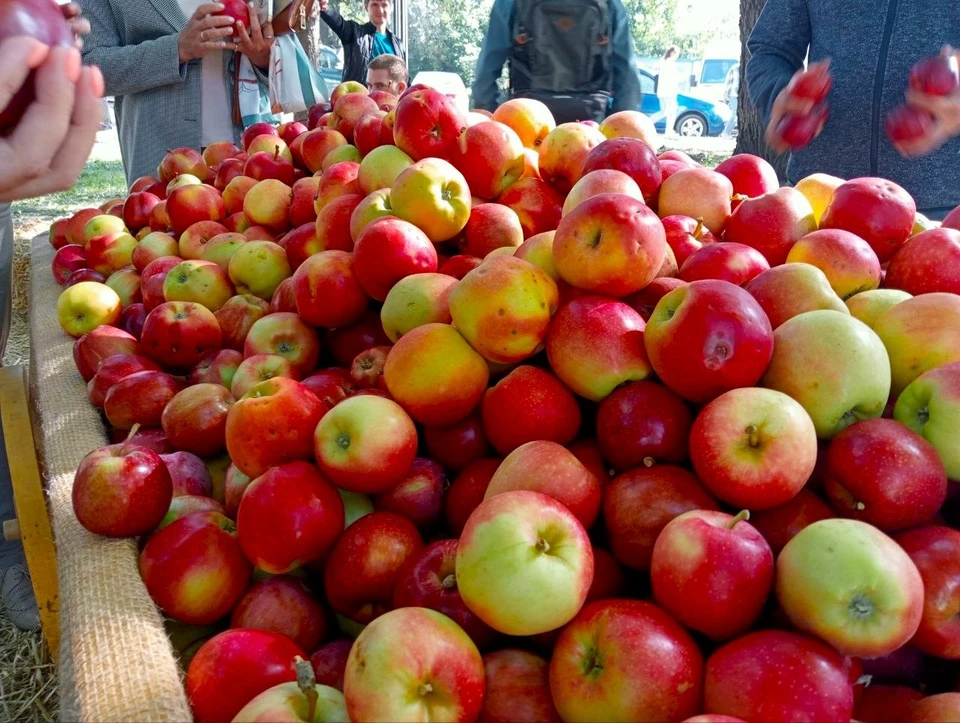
(850, 584)
(414, 301)
(103, 225)
(524, 563)
(434, 196)
(791, 289)
(381, 167)
(355, 506)
(834, 365)
(930, 406)
(868, 306)
(258, 268)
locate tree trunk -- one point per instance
(309, 37)
(750, 126)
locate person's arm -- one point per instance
(129, 69)
(626, 82)
(493, 55)
(342, 28)
(778, 46)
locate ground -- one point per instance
(28, 677)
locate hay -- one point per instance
(28, 677)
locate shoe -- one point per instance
(19, 603)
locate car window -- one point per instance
(715, 71)
(646, 84)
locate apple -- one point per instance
(526, 405)
(102, 225)
(271, 144)
(58, 233)
(285, 335)
(885, 703)
(771, 223)
(85, 306)
(419, 496)
(328, 292)
(200, 282)
(697, 193)
(435, 375)
(375, 205)
(538, 205)
(459, 265)
(139, 399)
(256, 131)
(366, 371)
(182, 161)
(490, 157)
(195, 419)
(235, 667)
(713, 572)
(126, 282)
(848, 583)
(433, 195)
(191, 204)
(67, 260)
(929, 406)
(727, 261)
(530, 119)
(708, 337)
(940, 708)
(388, 250)
(329, 662)
(221, 248)
(194, 568)
(367, 135)
(259, 368)
(878, 211)
(348, 110)
(111, 370)
(518, 688)
(780, 524)
(457, 445)
(416, 300)
(550, 469)
(77, 223)
(363, 567)
(258, 268)
(137, 208)
(235, 193)
(750, 175)
(151, 247)
(850, 264)
(844, 357)
(122, 490)
(301, 701)
(237, 316)
(99, 344)
(317, 144)
(934, 551)
(345, 342)
(365, 444)
(881, 472)
(440, 676)
(185, 505)
(637, 506)
(869, 306)
(925, 263)
(380, 168)
(289, 516)
(271, 425)
(491, 226)
(778, 675)
(428, 124)
(506, 558)
(564, 151)
(920, 333)
(784, 292)
(595, 659)
(596, 183)
(631, 156)
(642, 421)
(179, 334)
(798, 131)
(188, 474)
(467, 492)
(630, 124)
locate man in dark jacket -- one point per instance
(871, 45)
(363, 42)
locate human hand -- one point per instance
(323, 5)
(67, 108)
(790, 103)
(945, 111)
(257, 43)
(79, 25)
(205, 33)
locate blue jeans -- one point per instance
(10, 552)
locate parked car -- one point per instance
(696, 117)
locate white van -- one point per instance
(710, 74)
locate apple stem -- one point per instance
(449, 582)
(424, 690)
(126, 443)
(307, 682)
(543, 545)
(276, 152)
(753, 438)
(742, 516)
(698, 231)
(649, 462)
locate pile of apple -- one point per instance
(491, 419)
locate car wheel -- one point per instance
(691, 125)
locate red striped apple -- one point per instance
(848, 261)
(784, 292)
(631, 156)
(538, 205)
(697, 193)
(564, 151)
(771, 223)
(428, 124)
(99, 344)
(596, 183)
(750, 175)
(926, 263)
(490, 156)
(179, 334)
(878, 211)
(726, 261)
(195, 420)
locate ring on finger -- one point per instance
(203, 38)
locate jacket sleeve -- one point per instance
(129, 69)
(626, 82)
(344, 29)
(493, 55)
(778, 46)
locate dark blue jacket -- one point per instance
(498, 42)
(357, 41)
(872, 45)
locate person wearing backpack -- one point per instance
(576, 56)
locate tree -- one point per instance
(750, 125)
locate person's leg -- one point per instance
(670, 105)
(731, 122)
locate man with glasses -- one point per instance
(387, 73)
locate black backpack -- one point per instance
(562, 56)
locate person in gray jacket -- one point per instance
(871, 46)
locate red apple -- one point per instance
(366, 134)
(348, 110)
(778, 676)
(686, 235)
(884, 703)
(428, 124)
(457, 445)
(428, 580)
(878, 211)
(329, 662)
(188, 205)
(637, 506)
(218, 367)
(941, 708)
(194, 569)
(631, 156)
(195, 419)
(111, 370)
(289, 516)
(926, 263)
(188, 473)
(771, 223)
(459, 266)
(284, 334)
(712, 571)
(186, 505)
(101, 343)
(697, 193)
(708, 337)
(518, 688)
(180, 333)
(934, 550)
(419, 496)
(491, 226)
(727, 261)
(328, 292)
(780, 524)
(137, 208)
(538, 205)
(123, 490)
(467, 492)
(490, 157)
(598, 681)
(332, 231)
(182, 161)
(234, 667)
(237, 316)
(750, 175)
(139, 399)
(317, 144)
(272, 424)
(255, 131)
(363, 567)
(881, 472)
(282, 605)
(564, 151)
(388, 250)
(67, 260)
(347, 341)
(132, 318)
(302, 210)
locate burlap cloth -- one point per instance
(116, 662)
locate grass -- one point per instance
(28, 676)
